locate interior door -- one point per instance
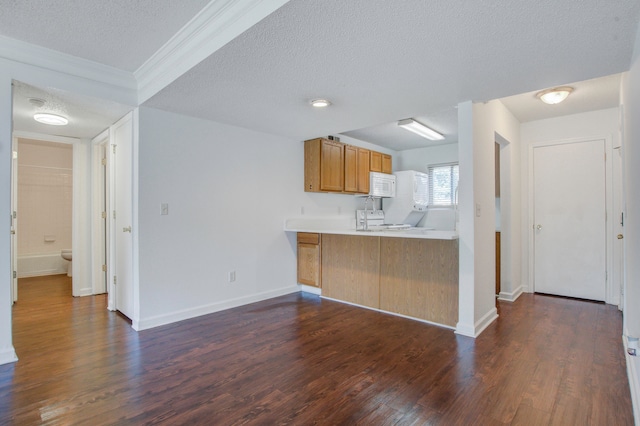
(618, 226)
(14, 221)
(123, 259)
(569, 219)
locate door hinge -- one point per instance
(104, 161)
(15, 274)
(15, 214)
(104, 215)
(115, 280)
(114, 214)
(104, 268)
(114, 148)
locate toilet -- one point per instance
(66, 255)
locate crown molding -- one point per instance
(33, 55)
(218, 23)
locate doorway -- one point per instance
(569, 234)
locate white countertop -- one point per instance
(346, 226)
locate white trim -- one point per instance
(479, 326)
(510, 297)
(44, 137)
(634, 381)
(99, 147)
(158, 320)
(395, 314)
(214, 26)
(309, 289)
(8, 355)
(30, 54)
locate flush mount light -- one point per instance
(555, 95)
(420, 129)
(320, 103)
(52, 119)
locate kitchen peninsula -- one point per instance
(411, 273)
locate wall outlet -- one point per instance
(232, 276)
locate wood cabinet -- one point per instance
(380, 162)
(386, 163)
(324, 166)
(309, 259)
(331, 166)
(363, 170)
(356, 169)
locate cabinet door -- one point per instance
(386, 163)
(332, 166)
(363, 171)
(375, 165)
(351, 168)
(309, 264)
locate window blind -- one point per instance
(443, 181)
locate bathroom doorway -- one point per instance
(43, 202)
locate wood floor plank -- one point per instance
(301, 360)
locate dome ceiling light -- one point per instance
(51, 119)
(555, 95)
(320, 103)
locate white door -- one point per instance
(123, 248)
(569, 219)
(14, 221)
(618, 226)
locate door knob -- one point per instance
(539, 227)
(127, 229)
(620, 236)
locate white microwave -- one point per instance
(382, 185)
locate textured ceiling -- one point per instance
(378, 61)
(119, 33)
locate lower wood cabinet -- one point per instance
(309, 258)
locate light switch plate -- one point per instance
(164, 209)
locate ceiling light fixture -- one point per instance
(320, 103)
(420, 129)
(52, 119)
(555, 95)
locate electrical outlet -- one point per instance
(232, 276)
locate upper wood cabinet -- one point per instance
(331, 166)
(386, 163)
(351, 168)
(363, 170)
(323, 166)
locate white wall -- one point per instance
(229, 190)
(480, 126)
(631, 153)
(602, 124)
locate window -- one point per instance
(443, 182)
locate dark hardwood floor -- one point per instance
(301, 360)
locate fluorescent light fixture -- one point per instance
(555, 95)
(420, 129)
(52, 119)
(320, 103)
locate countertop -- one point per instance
(346, 226)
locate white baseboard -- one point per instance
(308, 289)
(510, 297)
(633, 368)
(158, 320)
(479, 325)
(8, 355)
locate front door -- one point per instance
(569, 219)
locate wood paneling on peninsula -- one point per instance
(350, 267)
(419, 278)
